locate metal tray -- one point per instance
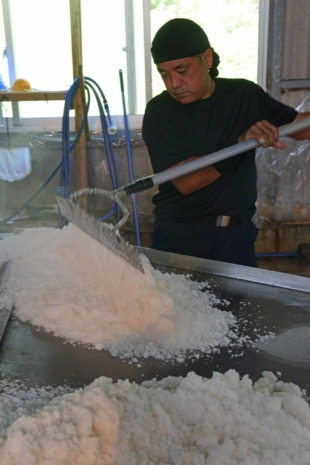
(275, 302)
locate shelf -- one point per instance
(32, 95)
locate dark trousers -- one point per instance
(231, 244)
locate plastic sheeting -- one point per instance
(284, 180)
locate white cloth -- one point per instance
(15, 163)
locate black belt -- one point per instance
(219, 221)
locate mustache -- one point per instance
(179, 91)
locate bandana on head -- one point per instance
(178, 38)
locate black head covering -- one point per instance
(179, 38)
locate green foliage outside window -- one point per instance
(232, 28)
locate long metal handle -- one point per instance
(207, 160)
(212, 158)
(130, 161)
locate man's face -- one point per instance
(187, 79)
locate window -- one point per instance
(115, 36)
(38, 48)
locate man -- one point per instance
(199, 114)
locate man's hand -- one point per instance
(265, 133)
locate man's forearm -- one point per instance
(192, 182)
(305, 134)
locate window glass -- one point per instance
(104, 41)
(139, 56)
(231, 26)
(42, 49)
(43, 55)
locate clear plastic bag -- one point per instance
(284, 180)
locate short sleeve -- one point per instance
(275, 112)
(164, 133)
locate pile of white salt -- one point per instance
(176, 421)
(66, 282)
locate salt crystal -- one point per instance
(191, 420)
(66, 282)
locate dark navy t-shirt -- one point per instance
(174, 132)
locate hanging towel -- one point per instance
(15, 163)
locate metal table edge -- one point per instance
(245, 273)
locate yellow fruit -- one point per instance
(21, 85)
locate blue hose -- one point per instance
(108, 128)
(106, 125)
(105, 131)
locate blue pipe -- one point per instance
(105, 132)
(66, 148)
(64, 166)
(108, 143)
(130, 164)
(114, 208)
(106, 123)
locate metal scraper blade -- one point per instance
(99, 231)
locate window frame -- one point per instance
(263, 33)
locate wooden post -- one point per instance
(82, 90)
(77, 62)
